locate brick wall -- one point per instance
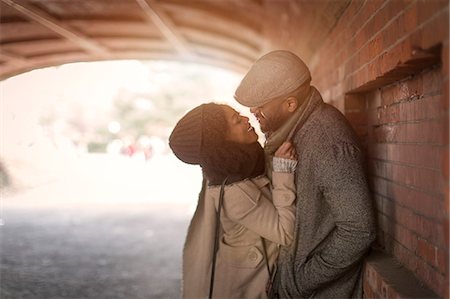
(385, 65)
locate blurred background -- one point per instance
(94, 204)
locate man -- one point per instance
(334, 218)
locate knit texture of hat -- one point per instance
(273, 75)
(186, 138)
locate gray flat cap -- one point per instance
(275, 74)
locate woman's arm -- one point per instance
(272, 218)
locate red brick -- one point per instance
(391, 59)
(378, 151)
(445, 95)
(352, 10)
(429, 107)
(416, 86)
(384, 222)
(407, 47)
(388, 95)
(360, 40)
(445, 128)
(384, 289)
(406, 257)
(357, 118)
(445, 60)
(391, 114)
(427, 180)
(362, 133)
(445, 224)
(378, 200)
(338, 30)
(371, 277)
(417, 155)
(410, 19)
(367, 290)
(400, 23)
(390, 35)
(404, 216)
(349, 67)
(432, 231)
(431, 277)
(355, 103)
(427, 9)
(389, 243)
(373, 99)
(427, 251)
(405, 237)
(441, 261)
(432, 82)
(380, 169)
(421, 203)
(369, 9)
(435, 31)
(421, 132)
(445, 164)
(388, 12)
(380, 240)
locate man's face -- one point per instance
(271, 116)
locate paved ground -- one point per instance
(91, 253)
(91, 249)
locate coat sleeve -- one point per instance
(343, 184)
(272, 219)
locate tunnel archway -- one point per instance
(383, 63)
(231, 34)
(79, 216)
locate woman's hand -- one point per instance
(286, 151)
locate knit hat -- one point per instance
(186, 138)
(275, 74)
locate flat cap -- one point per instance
(275, 74)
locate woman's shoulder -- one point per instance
(259, 182)
(240, 197)
(245, 190)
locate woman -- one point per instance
(255, 218)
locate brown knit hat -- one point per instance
(186, 138)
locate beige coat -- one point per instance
(251, 209)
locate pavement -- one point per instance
(108, 228)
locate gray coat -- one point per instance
(334, 219)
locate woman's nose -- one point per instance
(253, 110)
(245, 119)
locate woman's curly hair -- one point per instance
(222, 158)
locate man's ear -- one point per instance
(292, 104)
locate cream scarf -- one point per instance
(288, 129)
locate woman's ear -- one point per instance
(292, 104)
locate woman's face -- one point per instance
(239, 129)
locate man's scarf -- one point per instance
(289, 128)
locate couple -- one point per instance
(290, 220)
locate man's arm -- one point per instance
(342, 181)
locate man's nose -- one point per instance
(254, 110)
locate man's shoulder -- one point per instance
(326, 125)
(329, 115)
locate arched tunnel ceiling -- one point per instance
(225, 33)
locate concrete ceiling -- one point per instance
(226, 33)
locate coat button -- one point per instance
(252, 256)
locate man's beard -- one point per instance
(271, 124)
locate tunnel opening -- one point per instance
(94, 204)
